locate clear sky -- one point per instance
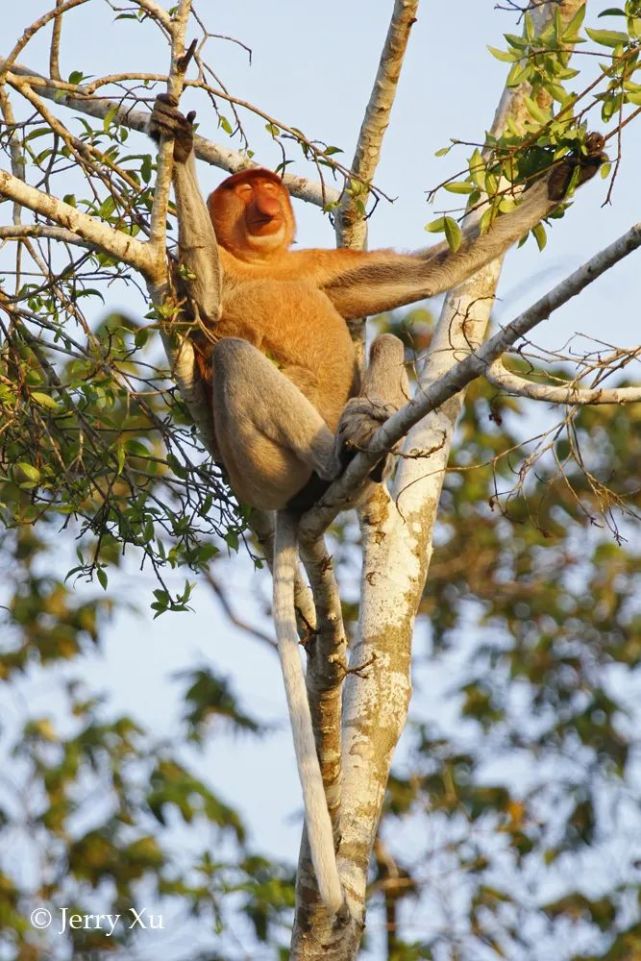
(312, 67)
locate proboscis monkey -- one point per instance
(273, 352)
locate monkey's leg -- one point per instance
(384, 390)
(270, 436)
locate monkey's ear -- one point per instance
(167, 121)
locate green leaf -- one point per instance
(607, 38)
(557, 92)
(107, 207)
(519, 73)
(575, 24)
(460, 187)
(109, 116)
(486, 220)
(146, 168)
(141, 337)
(103, 580)
(514, 40)
(28, 471)
(540, 236)
(540, 115)
(436, 226)
(44, 400)
(453, 234)
(38, 132)
(612, 12)
(505, 55)
(477, 169)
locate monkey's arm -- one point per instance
(200, 273)
(371, 282)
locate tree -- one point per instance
(89, 404)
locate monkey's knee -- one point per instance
(232, 356)
(386, 380)
(388, 346)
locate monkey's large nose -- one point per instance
(267, 207)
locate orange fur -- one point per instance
(273, 298)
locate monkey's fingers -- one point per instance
(576, 169)
(359, 421)
(167, 121)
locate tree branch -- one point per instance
(394, 570)
(165, 156)
(476, 364)
(231, 615)
(32, 29)
(351, 217)
(24, 231)
(157, 13)
(75, 97)
(498, 375)
(113, 242)
(351, 225)
(326, 667)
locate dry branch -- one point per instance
(476, 364)
(91, 231)
(75, 97)
(498, 375)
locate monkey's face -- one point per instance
(252, 215)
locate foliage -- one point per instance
(558, 116)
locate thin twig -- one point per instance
(54, 52)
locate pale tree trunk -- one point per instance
(397, 531)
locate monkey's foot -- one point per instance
(359, 421)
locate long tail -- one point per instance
(319, 825)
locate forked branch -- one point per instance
(476, 364)
(498, 375)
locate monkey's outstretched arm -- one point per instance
(361, 283)
(200, 274)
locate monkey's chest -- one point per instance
(298, 328)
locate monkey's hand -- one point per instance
(576, 168)
(167, 121)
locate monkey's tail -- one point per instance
(319, 825)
